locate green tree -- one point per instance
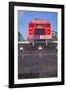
(19, 36)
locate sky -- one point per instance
(24, 17)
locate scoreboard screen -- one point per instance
(39, 31)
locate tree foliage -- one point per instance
(19, 36)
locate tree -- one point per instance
(19, 36)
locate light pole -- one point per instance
(21, 49)
(40, 51)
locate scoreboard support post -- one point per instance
(46, 42)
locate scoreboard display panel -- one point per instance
(39, 31)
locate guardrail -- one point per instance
(54, 41)
(27, 42)
(23, 42)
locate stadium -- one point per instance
(37, 56)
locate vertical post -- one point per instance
(40, 51)
(33, 43)
(46, 43)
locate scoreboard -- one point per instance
(39, 30)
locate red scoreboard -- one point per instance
(39, 30)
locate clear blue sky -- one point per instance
(25, 16)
